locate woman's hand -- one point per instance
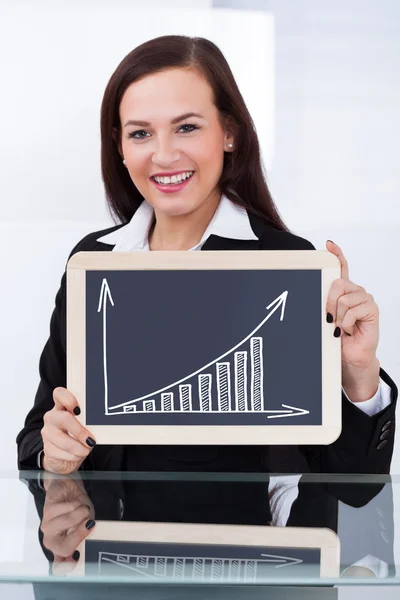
(68, 518)
(356, 317)
(66, 443)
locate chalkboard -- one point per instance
(199, 553)
(205, 347)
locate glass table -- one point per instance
(195, 535)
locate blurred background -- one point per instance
(321, 80)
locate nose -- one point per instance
(165, 153)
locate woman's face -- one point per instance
(160, 139)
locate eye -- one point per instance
(135, 134)
(193, 127)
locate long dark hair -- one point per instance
(242, 179)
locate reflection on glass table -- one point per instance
(214, 529)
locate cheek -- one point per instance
(209, 155)
(138, 160)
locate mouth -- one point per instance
(174, 183)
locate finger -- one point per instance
(53, 510)
(71, 529)
(69, 423)
(65, 400)
(66, 546)
(344, 267)
(66, 521)
(338, 288)
(53, 452)
(366, 312)
(349, 301)
(65, 442)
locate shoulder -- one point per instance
(90, 243)
(276, 239)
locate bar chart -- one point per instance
(239, 384)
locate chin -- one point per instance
(175, 208)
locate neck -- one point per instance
(182, 232)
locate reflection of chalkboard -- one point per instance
(233, 340)
(195, 563)
(207, 553)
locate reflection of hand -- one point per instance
(68, 515)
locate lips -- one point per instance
(169, 188)
(173, 174)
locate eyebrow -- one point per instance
(173, 122)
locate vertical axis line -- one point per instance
(105, 354)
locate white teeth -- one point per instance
(174, 179)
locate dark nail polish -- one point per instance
(348, 333)
(330, 241)
(90, 524)
(329, 318)
(77, 411)
(90, 442)
(336, 333)
(76, 555)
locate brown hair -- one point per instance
(242, 179)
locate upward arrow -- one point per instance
(279, 301)
(105, 295)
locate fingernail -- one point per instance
(77, 411)
(329, 318)
(90, 524)
(336, 333)
(348, 333)
(330, 241)
(76, 555)
(90, 442)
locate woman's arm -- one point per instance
(361, 446)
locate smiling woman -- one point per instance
(181, 167)
(173, 107)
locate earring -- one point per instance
(124, 162)
(230, 145)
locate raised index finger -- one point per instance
(65, 400)
(335, 249)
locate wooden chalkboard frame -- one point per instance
(323, 261)
(323, 539)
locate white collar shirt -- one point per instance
(229, 221)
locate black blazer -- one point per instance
(359, 448)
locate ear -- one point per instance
(229, 143)
(230, 130)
